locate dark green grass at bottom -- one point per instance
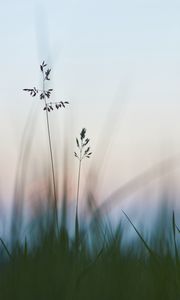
(54, 270)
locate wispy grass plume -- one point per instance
(44, 95)
(83, 152)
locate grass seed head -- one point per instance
(46, 94)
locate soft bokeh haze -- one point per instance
(116, 62)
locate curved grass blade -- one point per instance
(151, 252)
(6, 249)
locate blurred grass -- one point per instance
(101, 269)
(43, 263)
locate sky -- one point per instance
(116, 62)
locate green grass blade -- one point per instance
(6, 249)
(151, 252)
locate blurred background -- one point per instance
(118, 64)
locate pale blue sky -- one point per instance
(102, 53)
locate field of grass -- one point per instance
(99, 268)
(93, 262)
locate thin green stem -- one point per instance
(77, 200)
(78, 185)
(51, 158)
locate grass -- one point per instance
(94, 262)
(83, 153)
(44, 95)
(102, 268)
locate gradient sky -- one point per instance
(117, 62)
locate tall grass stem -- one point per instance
(52, 160)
